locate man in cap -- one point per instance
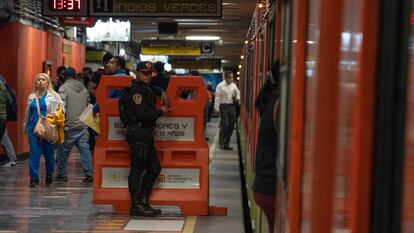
(141, 117)
(75, 98)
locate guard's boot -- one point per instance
(144, 202)
(138, 208)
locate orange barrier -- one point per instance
(179, 141)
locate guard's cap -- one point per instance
(145, 67)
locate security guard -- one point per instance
(142, 115)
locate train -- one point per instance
(346, 124)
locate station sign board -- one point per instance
(177, 48)
(155, 8)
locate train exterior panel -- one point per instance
(345, 131)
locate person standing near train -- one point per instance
(139, 113)
(264, 184)
(226, 97)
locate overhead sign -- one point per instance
(177, 48)
(77, 21)
(64, 8)
(154, 8)
(195, 64)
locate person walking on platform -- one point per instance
(264, 184)
(48, 101)
(162, 78)
(8, 147)
(75, 99)
(141, 115)
(117, 66)
(227, 95)
(59, 79)
(10, 116)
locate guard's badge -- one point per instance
(137, 98)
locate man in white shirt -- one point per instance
(227, 96)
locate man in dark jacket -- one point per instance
(162, 78)
(141, 115)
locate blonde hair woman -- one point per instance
(49, 101)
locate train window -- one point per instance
(407, 214)
(309, 112)
(271, 42)
(284, 92)
(262, 71)
(249, 79)
(350, 49)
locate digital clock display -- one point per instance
(64, 8)
(65, 5)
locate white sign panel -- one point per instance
(166, 129)
(116, 130)
(115, 177)
(169, 178)
(174, 129)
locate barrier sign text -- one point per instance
(166, 129)
(169, 178)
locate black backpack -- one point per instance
(123, 106)
(11, 109)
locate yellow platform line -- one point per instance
(189, 224)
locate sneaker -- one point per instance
(11, 164)
(61, 178)
(88, 179)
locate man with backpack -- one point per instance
(138, 113)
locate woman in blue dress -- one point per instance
(49, 101)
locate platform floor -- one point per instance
(67, 207)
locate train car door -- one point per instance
(284, 117)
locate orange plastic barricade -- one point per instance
(179, 141)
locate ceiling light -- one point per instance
(240, 66)
(202, 38)
(246, 41)
(261, 5)
(238, 72)
(242, 57)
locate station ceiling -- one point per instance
(231, 28)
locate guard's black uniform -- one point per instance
(142, 115)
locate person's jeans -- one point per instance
(78, 137)
(8, 146)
